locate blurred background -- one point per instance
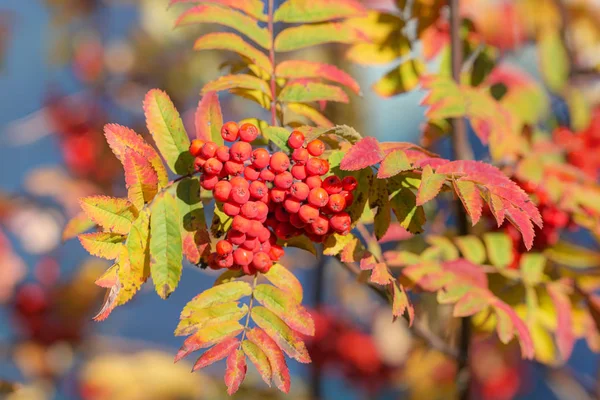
(67, 67)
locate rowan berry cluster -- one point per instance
(270, 196)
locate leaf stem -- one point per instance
(272, 59)
(250, 305)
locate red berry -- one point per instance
(248, 270)
(285, 230)
(262, 210)
(248, 132)
(231, 208)
(277, 195)
(238, 181)
(279, 162)
(240, 194)
(225, 261)
(315, 166)
(264, 235)
(262, 262)
(320, 226)
(258, 189)
(318, 197)
(332, 184)
(300, 156)
(299, 172)
(224, 247)
(199, 163)
(316, 148)
(213, 261)
(260, 158)
(308, 214)
(236, 237)
(212, 166)
(283, 180)
(240, 151)
(222, 190)
(208, 150)
(267, 175)
(275, 252)
(222, 153)
(349, 197)
(242, 257)
(250, 210)
(250, 244)
(340, 222)
(251, 174)
(292, 206)
(349, 183)
(265, 246)
(229, 131)
(314, 182)
(240, 224)
(233, 167)
(299, 191)
(208, 182)
(281, 214)
(196, 147)
(255, 230)
(296, 221)
(337, 202)
(296, 140)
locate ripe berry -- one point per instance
(240, 151)
(337, 202)
(314, 182)
(229, 131)
(265, 246)
(299, 172)
(349, 197)
(318, 197)
(299, 191)
(199, 163)
(296, 221)
(264, 235)
(332, 184)
(291, 205)
(251, 174)
(320, 226)
(248, 132)
(308, 214)
(222, 153)
(275, 252)
(236, 237)
(262, 210)
(285, 230)
(208, 150)
(225, 261)
(283, 180)
(224, 247)
(316, 148)
(238, 181)
(260, 158)
(248, 270)
(208, 182)
(340, 222)
(196, 147)
(255, 230)
(250, 244)
(258, 189)
(279, 162)
(281, 214)
(296, 140)
(300, 156)
(316, 166)
(250, 210)
(233, 167)
(240, 224)
(212, 166)
(262, 262)
(240, 193)
(349, 183)
(277, 195)
(267, 175)
(222, 190)
(242, 257)
(231, 208)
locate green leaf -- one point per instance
(298, 69)
(140, 178)
(279, 368)
(194, 233)
(137, 269)
(431, 184)
(286, 308)
(165, 245)
(214, 14)
(379, 199)
(402, 79)
(209, 336)
(286, 338)
(281, 277)
(554, 62)
(224, 293)
(221, 222)
(239, 81)
(209, 119)
(80, 223)
(308, 91)
(573, 256)
(303, 36)
(102, 244)
(112, 214)
(306, 111)
(166, 127)
(259, 359)
(499, 248)
(394, 163)
(254, 8)
(234, 43)
(580, 112)
(471, 248)
(410, 216)
(334, 244)
(279, 136)
(300, 242)
(295, 11)
(194, 318)
(532, 267)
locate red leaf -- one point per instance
(364, 153)
(209, 119)
(216, 353)
(525, 340)
(565, 338)
(281, 373)
(235, 371)
(110, 302)
(294, 69)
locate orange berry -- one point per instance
(296, 140)
(208, 150)
(222, 190)
(249, 210)
(233, 167)
(242, 256)
(332, 184)
(337, 202)
(320, 226)
(251, 174)
(299, 191)
(299, 172)
(279, 162)
(277, 195)
(349, 197)
(316, 148)
(225, 261)
(262, 262)
(230, 131)
(224, 247)
(258, 189)
(291, 205)
(239, 193)
(264, 235)
(196, 147)
(240, 182)
(341, 222)
(231, 208)
(300, 156)
(222, 153)
(296, 221)
(212, 166)
(250, 244)
(248, 132)
(267, 175)
(240, 224)
(236, 237)
(281, 214)
(209, 182)
(308, 214)
(262, 210)
(199, 163)
(315, 166)
(285, 230)
(314, 182)
(318, 197)
(349, 183)
(283, 180)
(260, 158)
(276, 252)
(240, 151)
(255, 230)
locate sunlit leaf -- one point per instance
(431, 184)
(305, 11)
(305, 91)
(102, 244)
(259, 359)
(364, 153)
(216, 353)
(209, 119)
(235, 371)
(303, 36)
(111, 213)
(286, 308)
(393, 163)
(194, 318)
(254, 8)
(224, 293)
(209, 336)
(281, 277)
(279, 368)
(140, 178)
(76, 225)
(402, 79)
(295, 69)
(554, 62)
(239, 81)
(136, 269)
